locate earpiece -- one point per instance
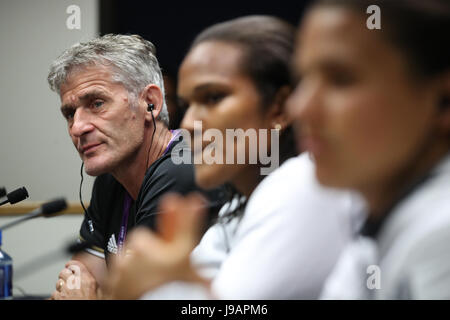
(150, 107)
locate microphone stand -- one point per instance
(20, 220)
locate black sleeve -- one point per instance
(167, 177)
(91, 229)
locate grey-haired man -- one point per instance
(112, 96)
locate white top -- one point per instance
(410, 257)
(216, 243)
(287, 242)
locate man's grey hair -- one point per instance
(131, 58)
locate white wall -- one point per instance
(36, 151)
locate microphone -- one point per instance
(48, 209)
(2, 192)
(15, 196)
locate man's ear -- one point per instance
(152, 95)
(276, 114)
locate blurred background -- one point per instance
(36, 151)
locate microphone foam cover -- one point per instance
(2, 192)
(17, 195)
(54, 206)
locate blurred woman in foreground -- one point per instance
(373, 110)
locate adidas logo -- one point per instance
(112, 244)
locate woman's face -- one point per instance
(220, 97)
(357, 108)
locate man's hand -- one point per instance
(75, 282)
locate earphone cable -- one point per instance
(81, 184)
(151, 142)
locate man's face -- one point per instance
(105, 130)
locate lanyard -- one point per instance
(175, 134)
(123, 227)
(127, 201)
